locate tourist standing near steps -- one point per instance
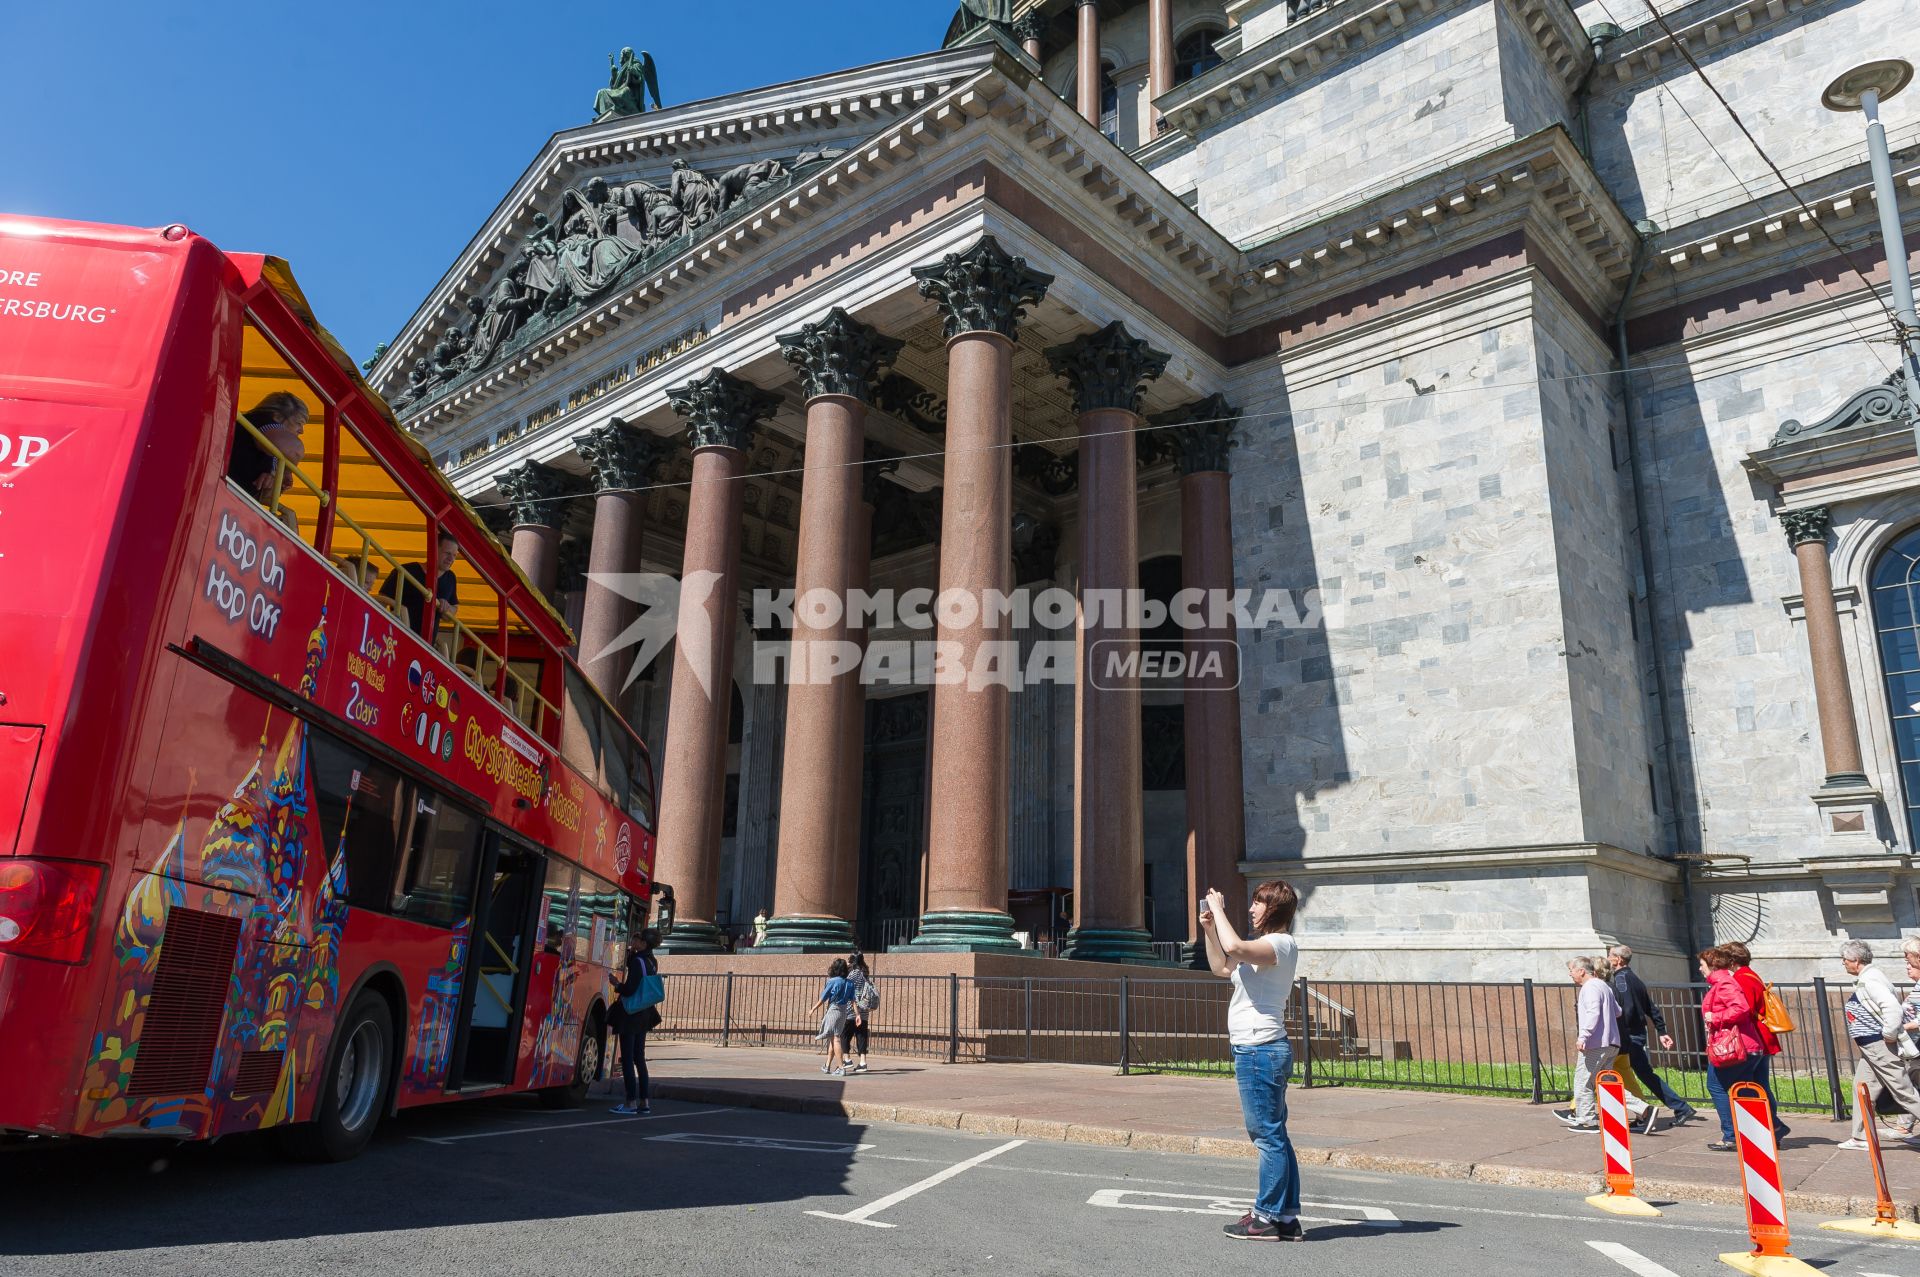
(1874, 1013)
(836, 1001)
(866, 1000)
(632, 1027)
(1596, 1044)
(1638, 1014)
(1262, 969)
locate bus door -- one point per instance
(505, 912)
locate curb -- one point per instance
(1035, 1128)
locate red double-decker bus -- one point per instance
(295, 831)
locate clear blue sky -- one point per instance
(364, 142)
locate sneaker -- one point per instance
(824, 1068)
(1251, 1228)
(1854, 1146)
(839, 1072)
(1682, 1116)
(860, 1069)
(624, 1110)
(1585, 1127)
(1781, 1130)
(1289, 1230)
(645, 1110)
(1653, 1119)
(1721, 1146)
(1565, 1115)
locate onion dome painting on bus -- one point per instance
(359, 839)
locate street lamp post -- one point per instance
(1863, 89)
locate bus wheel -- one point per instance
(353, 1091)
(586, 1067)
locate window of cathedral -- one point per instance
(1194, 55)
(1109, 101)
(1896, 620)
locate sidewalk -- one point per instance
(1501, 1141)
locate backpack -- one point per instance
(1773, 1014)
(867, 996)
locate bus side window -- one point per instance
(363, 807)
(563, 904)
(437, 883)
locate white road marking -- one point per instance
(1632, 1261)
(1215, 1204)
(758, 1141)
(865, 1213)
(566, 1126)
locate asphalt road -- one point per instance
(506, 1187)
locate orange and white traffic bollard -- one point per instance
(1616, 1145)
(1760, 1181)
(1883, 1224)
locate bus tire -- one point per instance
(353, 1090)
(586, 1067)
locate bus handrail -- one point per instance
(533, 717)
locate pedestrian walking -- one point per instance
(836, 999)
(1733, 1038)
(1629, 1080)
(1756, 990)
(1596, 1044)
(1874, 1017)
(1262, 968)
(1910, 1023)
(1640, 1018)
(866, 1000)
(636, 1013)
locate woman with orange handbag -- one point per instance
(1733, 1038)
(1757, 990)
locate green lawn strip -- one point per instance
(1793, 1092)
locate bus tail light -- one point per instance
(46, 907)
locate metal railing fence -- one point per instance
(1513, 1039)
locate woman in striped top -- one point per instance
(1874, 1015)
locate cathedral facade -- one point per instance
(1521, 371)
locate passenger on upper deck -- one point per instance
(413, 593)
(280, 418)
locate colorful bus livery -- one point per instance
(276, 849)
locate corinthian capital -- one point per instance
(1804, 526)
(538, 495)
(1108, 368)
(1198, 436)
(621, 456)
(840, 356)
(1029, 26)
(983, 290)
(720, 410)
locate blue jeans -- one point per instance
(1262, 1073)
(1721, 1078)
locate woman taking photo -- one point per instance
(1261, 968)
(1733, 1038)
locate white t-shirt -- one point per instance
(1258, 1012)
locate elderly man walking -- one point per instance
(1874, 1014)
(1596, 1045)
(1638, 1011)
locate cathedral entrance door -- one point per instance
(894, 824)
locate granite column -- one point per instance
(838, 360)
(1108, 370)
(720, 411)
(982, 294)
(621, 458)
(1833, 695)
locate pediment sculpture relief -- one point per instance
(595, 237)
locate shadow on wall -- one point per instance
(1293, 746)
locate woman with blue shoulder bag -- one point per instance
(636, 1012)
